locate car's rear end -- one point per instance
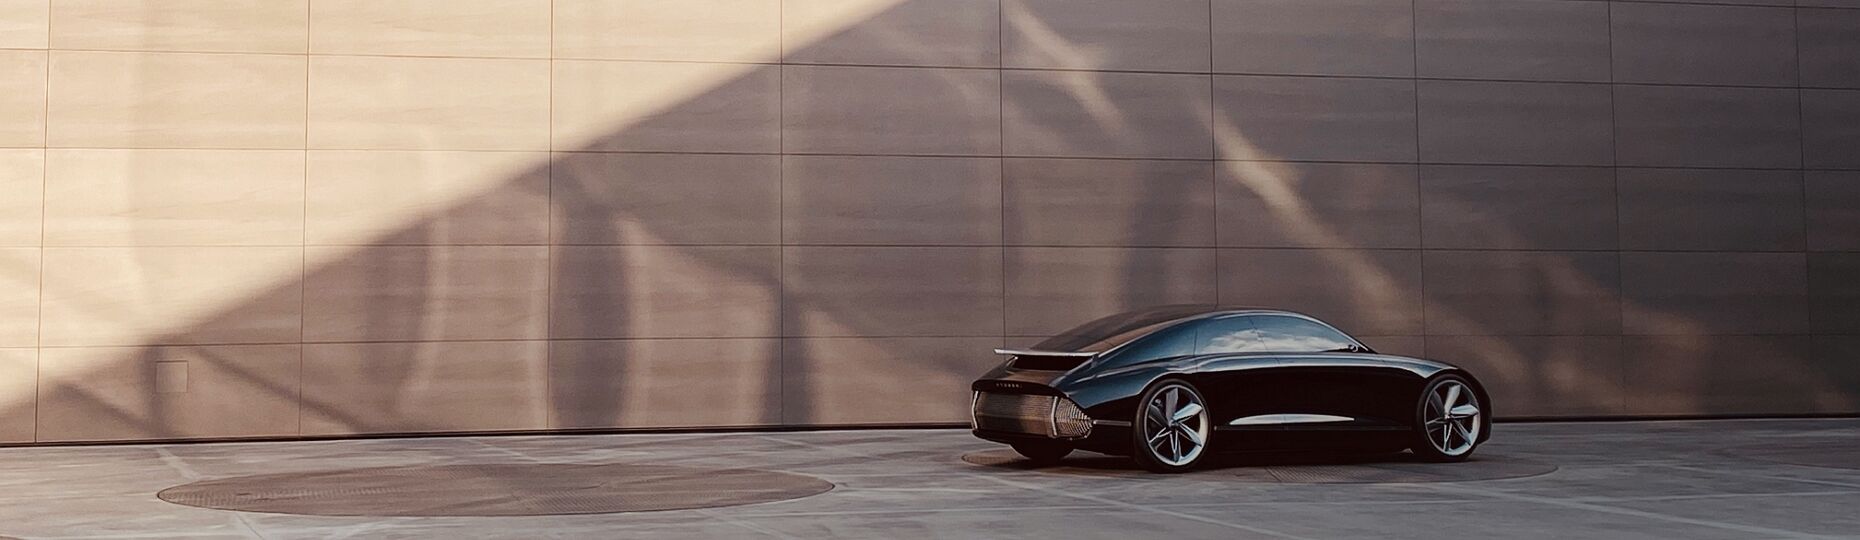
(1021, 402)
(1042, 395)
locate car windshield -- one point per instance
(1108, 332)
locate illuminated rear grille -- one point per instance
(1015, 413)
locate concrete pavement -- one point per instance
(1693, 479)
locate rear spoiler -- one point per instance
(1031, 352)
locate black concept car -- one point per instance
(1170, 385)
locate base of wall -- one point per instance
(845, 427)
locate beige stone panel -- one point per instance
(172, 295)
(634, 198)
(23, 23)
(174, 197)
(506, 28)
(1101, 115)
(22, 200)
(1360, 291)
(881, 380)
(1731, 374)
(428, 103)
(124, 393)
(1151, 35)
(646, 106)
(424, 387)
(1538, 376)
(1052, 289)
(405, 293)
(891, 200)
(427, 197)
(665, 291)
(166, 100)
(948, 33)
(259, 26)
(664, 383)
(846, 291)
(19, 297)
(1124, 202)
(19, 386)
(882, 110)
(683, 30)
(22, 98)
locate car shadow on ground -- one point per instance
(1287, 467)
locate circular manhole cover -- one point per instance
(1399, 468)
(1841, 454)
(494, 490)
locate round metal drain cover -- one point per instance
(1830, 454)
(1297, 469)
(494, 490)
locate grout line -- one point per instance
(1801, 177)
(1214, 154)
(1466, 249)
(1003, 68)
(1414, 55)
(781, 213)
(822, 337)
(1614, 176)
(549, 264)
(303, 276)
(1001, 179)
(45, 174)
(1170, 159)
(975, 68)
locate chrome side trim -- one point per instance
(1030, 352)
(1111, 423)
(1281, 419)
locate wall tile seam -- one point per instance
(960, 156)
(1301, 75)
(1420, 194)
(848, 337)
(1010, 246)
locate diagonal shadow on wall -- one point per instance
(668, 303)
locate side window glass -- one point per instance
(1229, 335)
(1292, 334)
(1165, 343)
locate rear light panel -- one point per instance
(1050, 416)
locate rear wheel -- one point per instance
(1451, 419)
(1042, 453)
(1171, 432)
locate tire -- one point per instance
(1451, 420)
(1043, 453)
(1168, 435)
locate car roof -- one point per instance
(1108, 332)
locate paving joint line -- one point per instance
(1579, 505)
(1141, 508)
(1849, 485)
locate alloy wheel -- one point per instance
(1175, 426)
(1452, 415)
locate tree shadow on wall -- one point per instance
(663, 295)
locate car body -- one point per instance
(1223, 380)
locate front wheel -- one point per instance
(1171, 428)
(1042, 453)
(1451, 419)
